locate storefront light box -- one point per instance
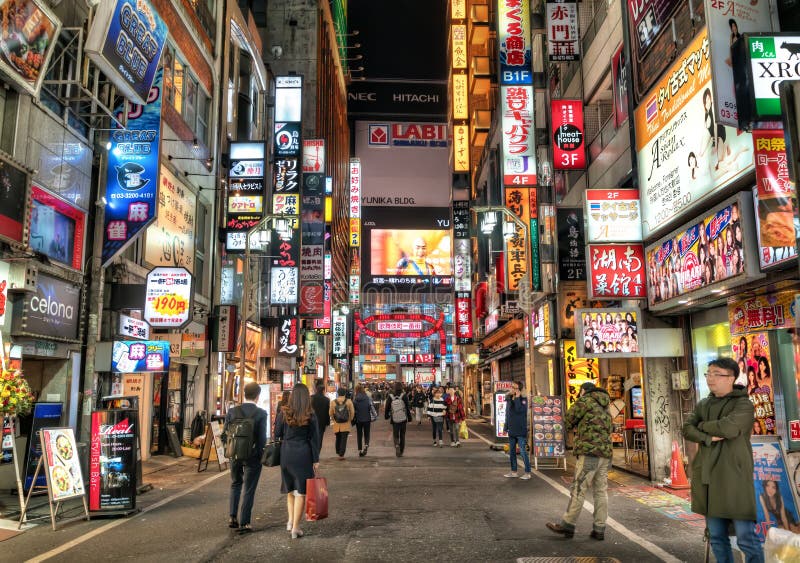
(609, 333)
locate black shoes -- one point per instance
(397, 451)
(559, 529)
(233, 522)
(246, 529)
(600, 536)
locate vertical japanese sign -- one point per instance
(518, 132)
(563, 34)
(460, 97)
(288, 336)
(613, 216)
(516, 255)
(514, 42)
(461, 148)
(355, 203)
(132, 174)
(458, 40)
(245, 201)
(569, 148)
(168, 297)
(571, 251)
(323, 325)
(616, 271)
(619, 86)
(533, 235)
(112, 460)
(462, 255)
(578, 371)
(776, 199)
(170, 240)
(312, 222)
(339, 330)
(463, 318)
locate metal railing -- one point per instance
(595, 25)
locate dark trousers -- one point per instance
(341, 442)
(362, 431)
(437, 429)
(399, 434)
(322, 429)
(248, 474)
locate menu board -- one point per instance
(548, 426)
(63, 467)
(500, 406)
(112, 462)
(43, 415)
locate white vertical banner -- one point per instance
(355, 203)
(339, 332)
(563, 35)
(519, 142)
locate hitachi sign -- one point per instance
(419, 131)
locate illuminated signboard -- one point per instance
(518, 128)
(563, 33)
(460, 97)
(459, 44)
(355, 203)
(616, 271)
(569, 148)
(609, 333)
(613, 216)
(514, 41)
(168, 298)
(461, 148)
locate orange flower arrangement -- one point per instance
(15, 394)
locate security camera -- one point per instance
(277, 51)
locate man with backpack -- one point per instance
(342, 413)
(245, 436)
(398, 411)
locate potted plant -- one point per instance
(15, 394)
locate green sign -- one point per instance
(772, 60)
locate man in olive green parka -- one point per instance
(722, 470)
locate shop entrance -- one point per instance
(169, 396)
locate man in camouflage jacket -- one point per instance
(590, 419)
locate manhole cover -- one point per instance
(573, 559)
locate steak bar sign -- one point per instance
(52, 311)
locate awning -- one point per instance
(496, 336)
(502, 353)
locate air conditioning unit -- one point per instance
(23, 276)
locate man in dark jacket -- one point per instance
(247, 472)
(517, 428)
(321, 406)
(722, 470)
(591, 420)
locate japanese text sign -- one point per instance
(168, 298)
(613, 216)
(354, 204)
(569, 148)
(518, 132)
(514, 42)
(578, 371)
(571, 251)
(138, 356)
(563, 34)
(616, 271)
(463, 312)
(288, 344)
(170, 240)
(764, 312)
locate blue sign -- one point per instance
(140, 356)
(45, 415)
(132, 176)
(126, 43)
(776, 504)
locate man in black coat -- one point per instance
(320, 403)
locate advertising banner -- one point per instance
(460, 97)
(314, 156)
(500, 407)
(246, 193)
(168, 297)
(61, 463)
(458, 42)
(776, 505)
(517, 247)
(726, 22)
(125, 41)
(355, 203)
(648, 19)
(613, 216)
(288, 336)
(616, 271)
(571, 245)
(286, 179)
(764, 312)
(776, 200)
(578, 370)
(706, 252)
(52, 311)
(608, 333)
(133, 328)
(619, 86)
(372, 98)
(514, 41)
(44, 415)
(681, 164)
(323, 325)
(519, 140)
(225, 328)
(548, 426)
(287, 139)
(339, 330)
(132, 174)
(463, 319)
(563, 32)
(769, 60)
(284, 286)
(140, 356)
(170, 240)
(569, 148)
(112, 460)
(461, 219)
(751, 351)
(29, 35)
(461, 148)
(410, 253)
(462, 265)
(57, 228)
(312, 298)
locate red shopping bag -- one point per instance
(316, 498)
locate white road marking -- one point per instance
(630, 534)
(102, 529)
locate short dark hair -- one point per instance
(251, 391)
(320, 387)
(341, 391)
(521, 384)
(728, 364)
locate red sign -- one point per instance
(794, 429)
(56, 228)
(464, 318)
(616, 271)
(569, 148)
(325, 322)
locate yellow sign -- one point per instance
(458, 9)
(459, 40)
(461, 148)
(374, 368)
(170, 305)
(460, 97)
(517, 200)
(355, 232)
(578, 371)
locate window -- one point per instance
(177, 79)
(167, 62)
(202, 116)
(190, 101)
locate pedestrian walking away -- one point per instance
(342, 413)
(418, 402)
(517, 428)
(590, 419)
(245, 432)
(298, 431)
(721, 425)
(437, 411)
(398, 411)
(321, 406)
(364, 412)
(455, 414)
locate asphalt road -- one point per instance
(442, 504)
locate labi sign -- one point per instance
(53, 311)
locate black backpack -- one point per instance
(340, 412)
(240, 436)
